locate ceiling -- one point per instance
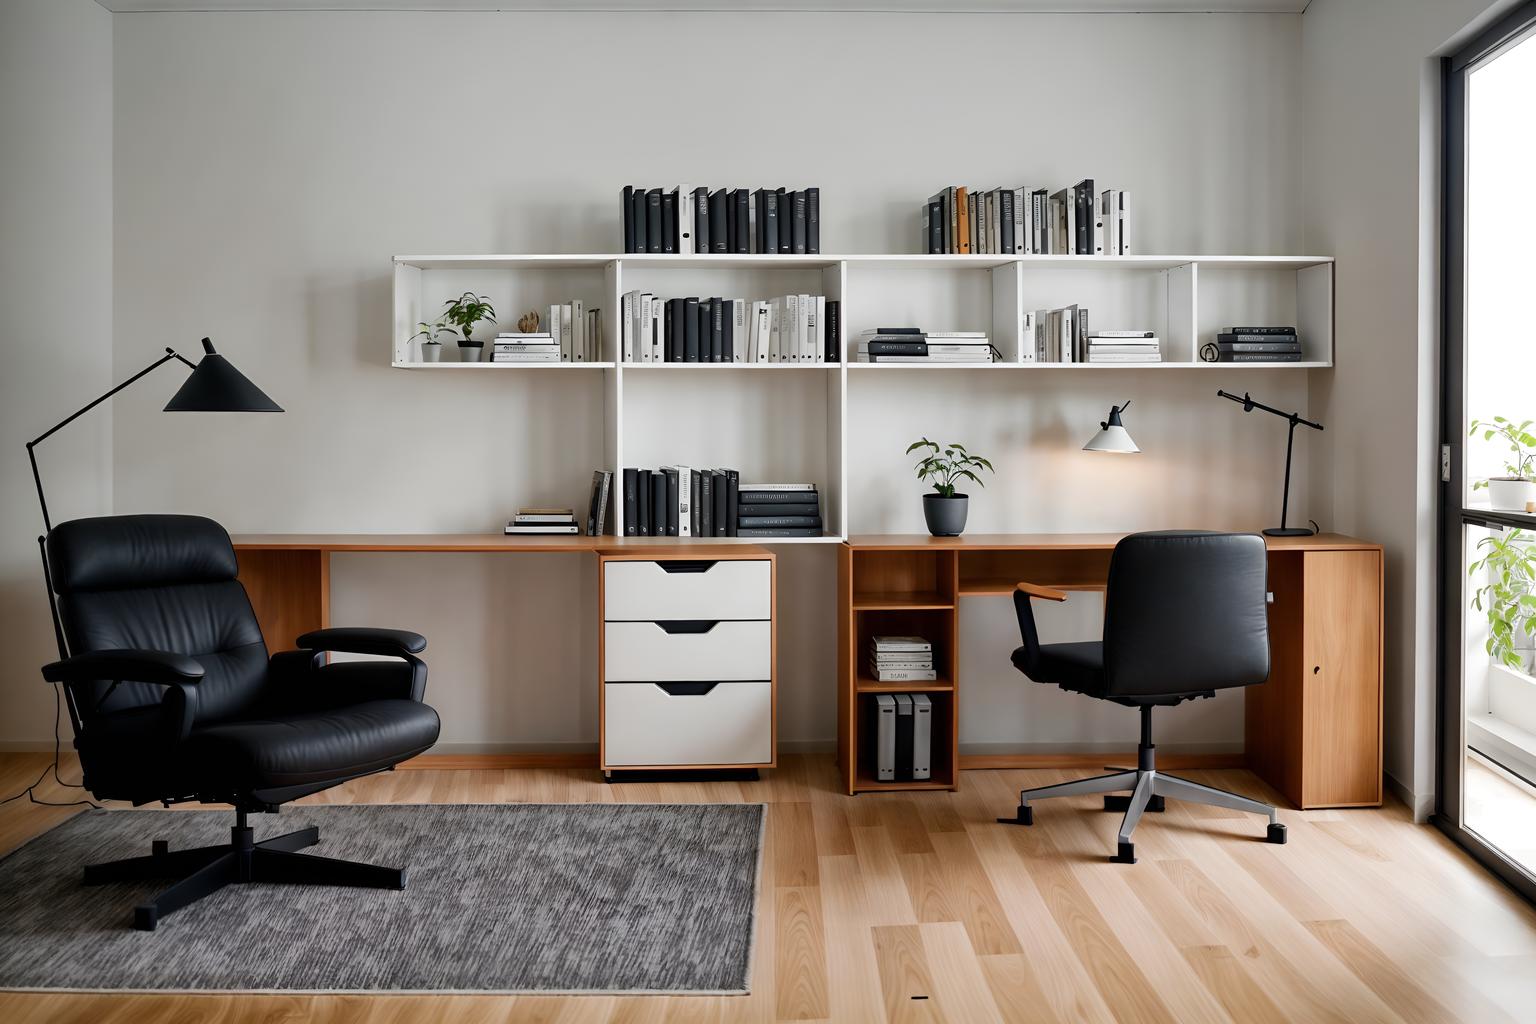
(933, 6)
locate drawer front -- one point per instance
(643, 724)
(687, 649)
(687, 589)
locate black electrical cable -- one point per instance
(30, 793)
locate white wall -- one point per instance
(268, 165)
(1372, 145)
(56, 302)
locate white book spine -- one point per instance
(685, 219)
(739, 331)
(790, 330)
(565, 325)
(1018, 221)
(578, 332)
(643, 328)
(820, 342)
(775, 328)
(762, 332)
(627, 326)
(554, 331)
(684, 501)
(751, 222)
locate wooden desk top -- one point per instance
(491, 542)
(1071, 541)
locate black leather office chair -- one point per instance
(1184, 616)
(173, 698)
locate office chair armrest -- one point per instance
(138, 666)
(389, 643)
(1036, 590)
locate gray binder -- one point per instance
(885, 737)
(922, 736)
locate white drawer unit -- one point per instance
(688, 650)
(671, 724)
(688, 588)
(687, 658)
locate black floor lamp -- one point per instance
(214, 386)
(1295, 420)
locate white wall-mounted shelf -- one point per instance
(662, 414)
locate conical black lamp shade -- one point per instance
(216, 386)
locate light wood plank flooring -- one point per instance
(917, 907)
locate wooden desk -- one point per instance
(1313, 731)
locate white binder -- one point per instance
(922, 736)
(885, 737)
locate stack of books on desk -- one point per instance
(543, 520)
(510, 347)
(778, 510)
(901, 659)
(1124, 347)
(1258, 345)
(914, 345)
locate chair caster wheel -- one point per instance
(1275, 834)
(1122, 802)
(159, 848)
(1126, 854)
(146, 917)
(1026, 816)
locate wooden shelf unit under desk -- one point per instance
(1313, 731)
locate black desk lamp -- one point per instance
(1295, 419)
(214, 386)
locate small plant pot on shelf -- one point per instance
(431, 351)
(1511, 495)
(946, 516)
(470, 351)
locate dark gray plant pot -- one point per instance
(470, 351)
(946, 516)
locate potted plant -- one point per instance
(1508, 597)
(464, 313)
(945, 510)
(1517, 491)
(431, 348)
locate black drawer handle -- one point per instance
(688, 625)
(687, 689)
(686, 565)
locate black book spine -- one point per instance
(721, 492)
(786, 215)
(693, 502)
(770, 221)
(643, 503)
(676, 310)
(728, 335)
(813, 221)
(719, 222)
(935, 228)
(834, 325)
(1005, 217)
(896, 348)
(706, 504)
(716, 330)
(750, 497)
(666, 331)
(760, 206)
(690, 330)
(776, 531)
(1084, 197)
(1262, 330)
(733, 497)
(637, 214)
(701, 225)
(674, 487)
(658, 504)
(743, 223)
(810, 508)
(653, 220)
(771, 522)
(627, 210)
(797, 234)
(669, 222)
(631, 502)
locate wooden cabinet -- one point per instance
(1314, 730)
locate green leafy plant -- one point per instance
(942, 465)
(1521, 441)
(1508, 597)
(429, 333)
(467, 310)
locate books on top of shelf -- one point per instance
(1124, 347)
(1258, 345)
(697, 221)
(778, 510)
(1030, 220)
(543, 521)
(913, 345)
(797, 329)
(901, 659)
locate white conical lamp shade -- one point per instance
(1112, 435)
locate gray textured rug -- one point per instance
(500, 898)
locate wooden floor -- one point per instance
(917, 907)
(1501, 807)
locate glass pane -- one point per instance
(1500, 278)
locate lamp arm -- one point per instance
(37, 479)
(1249, 403)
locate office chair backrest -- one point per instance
(1184, 612)
(164, 583)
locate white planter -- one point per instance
(431, 351)
(1511, 495)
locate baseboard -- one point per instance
(1098, 759)
(1420, 805)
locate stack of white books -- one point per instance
(542, 521)
(959, 347)
(525, 348)
(901, 659)
(1124, 347)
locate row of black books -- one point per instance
(1031, 221)
(689, 220)
(788, 329)
(914, 345)
(681, 501)
(1258, 345)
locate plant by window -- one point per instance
(1522, 466)
(431, 332)
(1508, 598)
(942, 465)
(467, 310)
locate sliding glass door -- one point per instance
(1487, 755)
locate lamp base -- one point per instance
(1289, 531)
